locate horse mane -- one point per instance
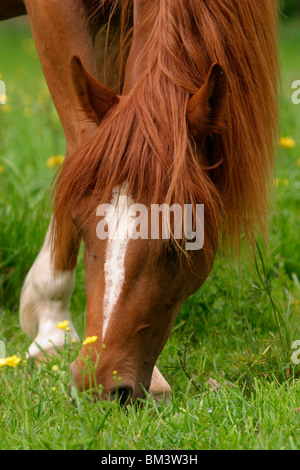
(145, 141)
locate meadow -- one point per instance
(229, 357)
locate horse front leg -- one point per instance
(44, 303)
(60, 30)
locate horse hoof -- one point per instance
(159, 389)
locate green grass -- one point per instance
(237, 329)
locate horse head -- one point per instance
(137, 273)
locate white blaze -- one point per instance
(118, 224)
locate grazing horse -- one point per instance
(196, 124)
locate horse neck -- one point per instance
(134, 69)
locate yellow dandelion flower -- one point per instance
(15, 360)
(12, 361)
(62, 325)
(5, 108)
(53, 389)
(276, 182)
(90, 340)
(55, 160)
(73, 341)
(287, 142)
(1, 168)
(55, 368)
(68, 329)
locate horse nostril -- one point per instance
(121, 394)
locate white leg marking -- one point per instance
(114, 267)
(45, 302)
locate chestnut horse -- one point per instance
(196, 124)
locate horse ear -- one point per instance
(206, 109)
(94, 98)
